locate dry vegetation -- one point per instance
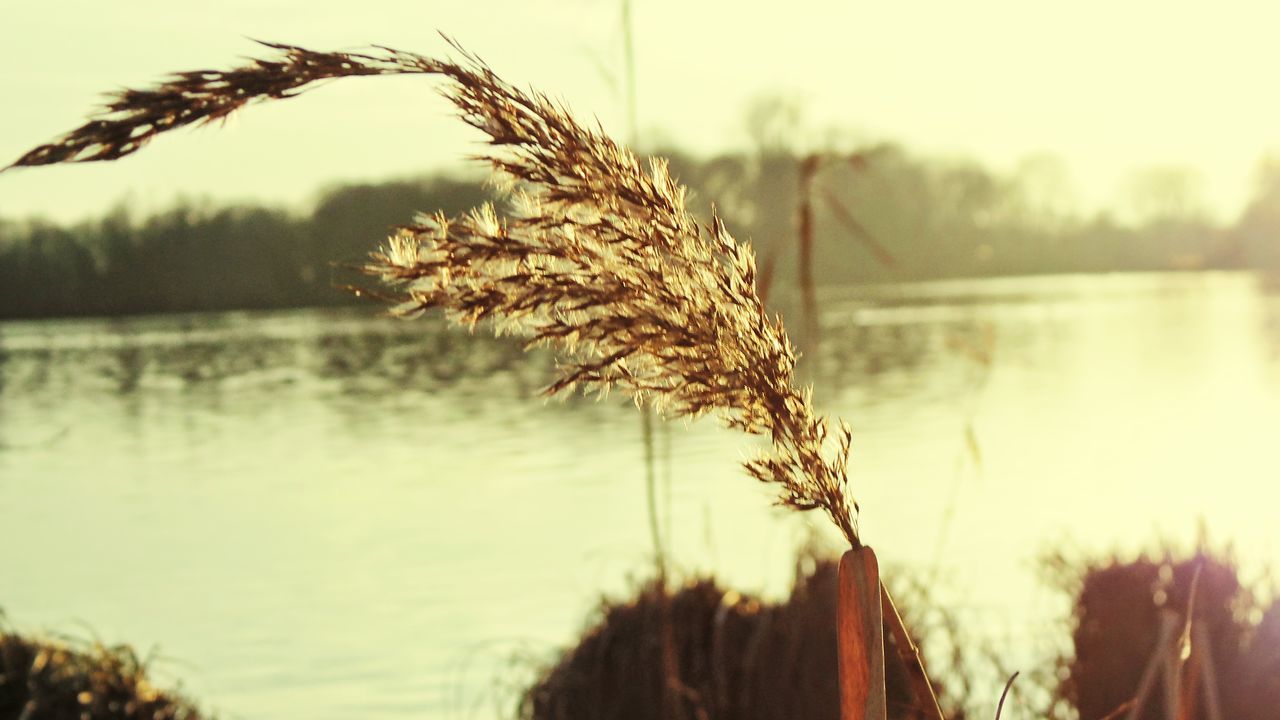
(43, 679)
(1228, 660)
(598, 257)
(734, 656)
(740, 657)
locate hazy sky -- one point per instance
(1108, 86)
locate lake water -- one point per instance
(324, 514)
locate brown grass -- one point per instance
(739, 658)
(42, 679)
(1116, 623)
(597, 258)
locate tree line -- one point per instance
(198, 257)
(880, 214)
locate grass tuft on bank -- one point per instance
(47, 679)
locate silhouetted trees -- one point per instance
(195, 257)
(956, 218)
(937, 218)
(1256, 237)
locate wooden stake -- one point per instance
(860, 637)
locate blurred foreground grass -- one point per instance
(49, 679)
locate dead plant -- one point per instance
(597, 257)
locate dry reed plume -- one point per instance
(598, 257)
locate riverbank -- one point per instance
(700, 650)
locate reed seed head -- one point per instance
(597, 257)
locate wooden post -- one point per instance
(860, 637)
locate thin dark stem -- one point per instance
(646, 418)
(1005, 694)
(629, 60)
(651, 494)
(664, 430)
(910, 654)
(808, 292)
(1121, 709)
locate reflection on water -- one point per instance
(326, 514)
(220, 352)
(355, 351)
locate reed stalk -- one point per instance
(804, 232)
(597, 257)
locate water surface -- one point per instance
(324, 514)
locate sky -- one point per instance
(1109, 87)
